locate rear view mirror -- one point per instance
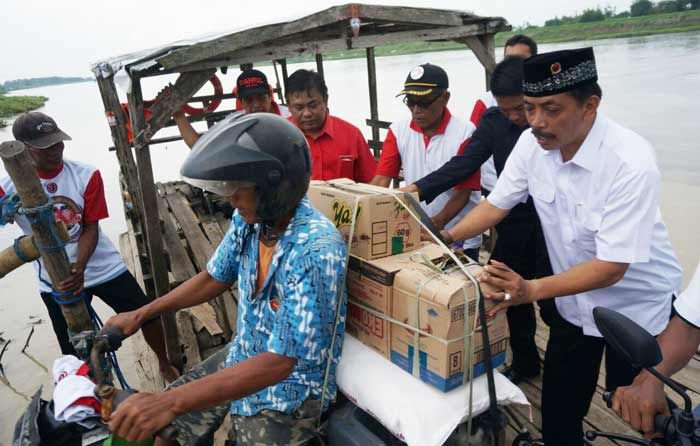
(636, 345)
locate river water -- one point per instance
(650, 84)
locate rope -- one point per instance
(43, 216)
(60, 297)
(18, 250)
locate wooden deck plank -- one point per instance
(189, 339)
(180, 263)
(189, 222)
(138, 269)
(125, 252)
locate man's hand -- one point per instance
(410, 188)
(128, 323)
(141, 415)
(179, 116)
(639, 402)
(513, 289)
(75, 282)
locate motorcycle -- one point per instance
(38, 426)
(640, 349)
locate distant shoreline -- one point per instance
(14, 105)
(605, 29)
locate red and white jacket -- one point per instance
(78, 196)
(488, 169)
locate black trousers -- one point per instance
(571, 369)
(521, 246)
(122, 294)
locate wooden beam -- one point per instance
(319, 65)
(483, 48)
(21, 170)
(151, 223)
(309, 47)
(117, 126)
(373, 102)
(168, 101)
(337, 14)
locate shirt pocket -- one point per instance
(587, 233)
(541, 191)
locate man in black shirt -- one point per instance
(520, 242)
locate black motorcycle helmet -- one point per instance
(260, 149)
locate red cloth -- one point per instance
(390, 160)
(95, 208)
(338, 139)
(477, 111)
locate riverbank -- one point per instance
(606, 29)
(14, 105)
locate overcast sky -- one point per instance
(62, 38)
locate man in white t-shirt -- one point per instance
(424, 142)
(77, 193)
(640, 402)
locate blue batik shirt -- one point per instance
(306, 273)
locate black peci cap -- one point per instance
(559, 71)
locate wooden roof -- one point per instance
(324, 31)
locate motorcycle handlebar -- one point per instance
(660, 421)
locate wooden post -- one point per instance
(319, 65)
(373, 103)
(489, 42)
(151, 222)
(285, 75)
(117, 125)
(20, 168)
(484, 48)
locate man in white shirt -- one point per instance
(640, 402)
(595, 185)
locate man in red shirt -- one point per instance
(338, 148)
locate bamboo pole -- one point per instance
(21, 170)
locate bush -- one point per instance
(553, 22)
(667, 6)
(591, 15)
(622, 15)
(641, 7)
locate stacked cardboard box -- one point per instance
(382, 226)
(405, 304)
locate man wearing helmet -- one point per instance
(278, 374)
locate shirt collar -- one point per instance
(446, 116)
(587, 155)
(328, 127)
(47, 175)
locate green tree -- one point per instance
(622, 15)
(694, 4)
(666, 6)
(553, 22)
(641, 7)
(591, 15)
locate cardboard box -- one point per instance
(370, 329)
(371, 282)
(382, 226)
(441, 364)
(434, 302)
